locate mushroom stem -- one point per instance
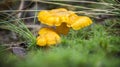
(62, 29)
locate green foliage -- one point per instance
(20, 28)
(109, 1)
(89, 47)
(94, 46)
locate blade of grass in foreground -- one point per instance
(20, 28)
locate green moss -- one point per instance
(99, 49)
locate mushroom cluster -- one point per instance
(62, 20)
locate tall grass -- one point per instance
(19, 28)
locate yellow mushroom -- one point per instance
(62, 20)
(47, 37)
(56, 17)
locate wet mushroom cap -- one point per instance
(47, 37)
(81, 22)
(56, 17)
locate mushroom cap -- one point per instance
(47, 37)
(56, 17)
(81, 22)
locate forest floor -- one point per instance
(97, 45)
